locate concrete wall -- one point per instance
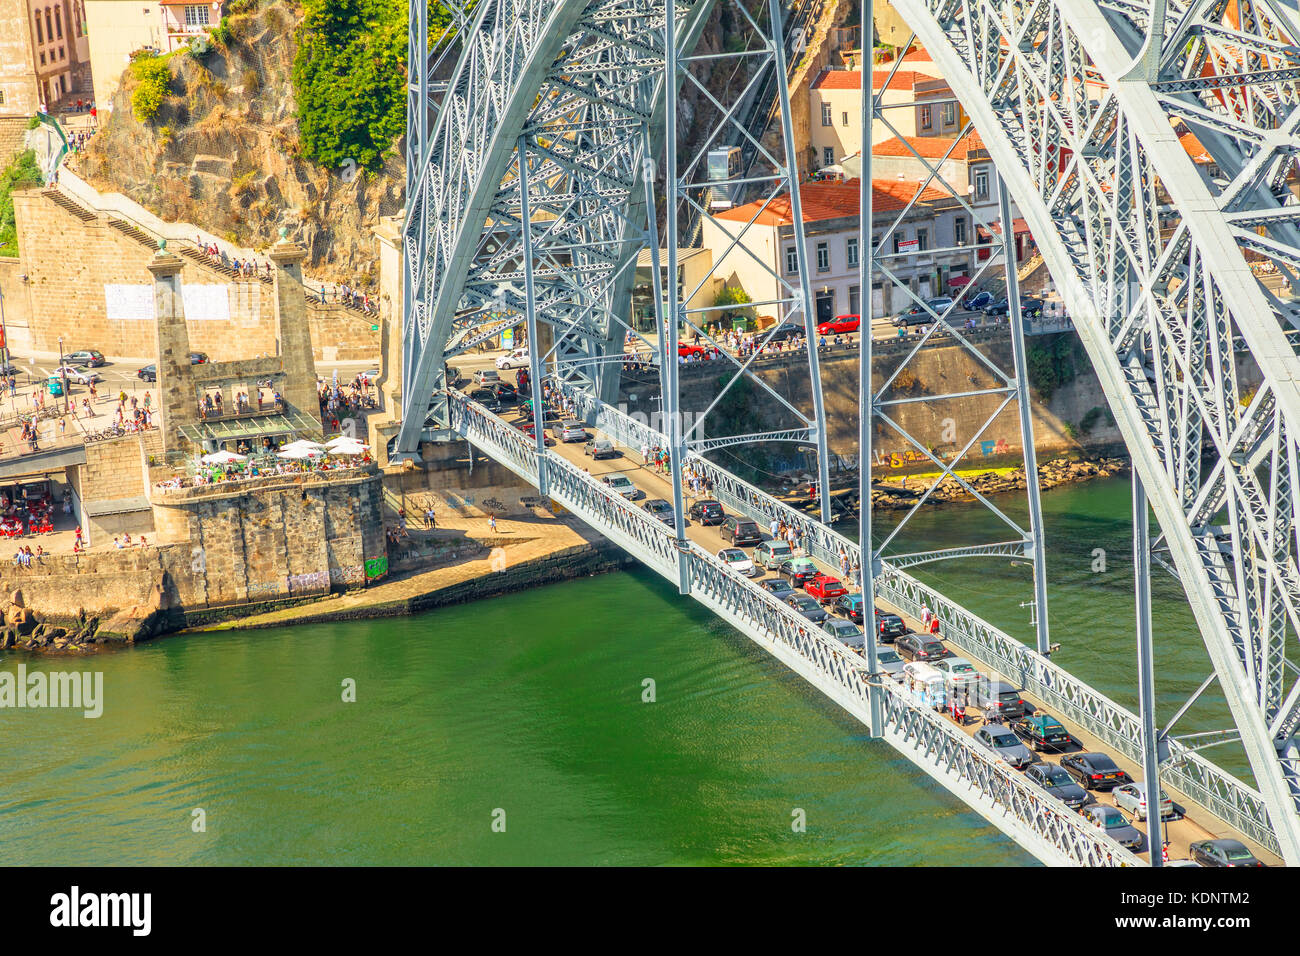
(112, 486)
(117, 29)
(19, 93)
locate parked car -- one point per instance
(997, 307)
(1041, 732)
(453, 376)
(1094, 771)
(841, 323)
(976, 301)
(78, 375)
(148, 374)
(779, 588)
(1114, 824)
(1133, 798)
(198, 358)
(998, 697)
(92, 358)
(769, 554)
(486, 397)
(890, 627)
(1222, 853)
(1058, 783)
(516, 359)
(917, 316)
(807, 606)
(845, 633)
(740, 531)
(920, 647)
(506, 393)
(689, 351)
(1030, 307)
(9, 368)
(738, 561)
(783, 332)
(797, 571)
(707, 511)
(1005, 746)
(661, 509)
(824, 587)
(572, 431)
(623, 486)
(890, 662)
(484, 376)
(849, 605)
(600, 448)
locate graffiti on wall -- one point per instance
(376, 567)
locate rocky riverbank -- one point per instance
(1051, 474)
(26, 629)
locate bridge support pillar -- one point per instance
(1146, 671)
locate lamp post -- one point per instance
(63, 371)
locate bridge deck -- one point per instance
(1197, 825)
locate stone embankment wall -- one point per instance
(75, 266)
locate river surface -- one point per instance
(529, 712)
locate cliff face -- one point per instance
(223, 153)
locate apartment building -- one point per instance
(119, 28)
(765, 258)
(44, 54)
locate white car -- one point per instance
(1133, 798)
(623, 486)
(79, 375)
(737, 560)
(572, 431)
(890, 663)
(517, 359)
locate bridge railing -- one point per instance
(1229, 799)
(949, 755)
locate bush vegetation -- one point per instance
(155, 79)
(23, 173)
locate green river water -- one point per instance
(532, 705)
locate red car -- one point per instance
(824, 587)
(527, 429)
(841, 323)
(689, 350)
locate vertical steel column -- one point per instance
(1035, 542)
(866, 387)
(777, 37)
(668, 331)
(530, 316)
(417, 144)
(1146, 675)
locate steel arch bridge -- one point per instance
(531, 171)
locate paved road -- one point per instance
(1179, 833)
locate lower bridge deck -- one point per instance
(1195, 824)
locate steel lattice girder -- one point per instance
(1077, 121)
(581, 82)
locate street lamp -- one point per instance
(63, 371)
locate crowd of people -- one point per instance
(341, 402)
(245, 267)
(352, 298)
(262, 468)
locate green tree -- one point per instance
(729, 298)
(155, 83)
(23, 173)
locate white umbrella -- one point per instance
(345, 440)
(303, 445)
(287, 452)
(349, 448)
(222, 458)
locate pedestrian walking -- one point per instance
(492, 523)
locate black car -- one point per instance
(453, 376)
(783, 332)
(707, 511)
(920, 647)
(506, 394)
(889, 627)
(1222, 853)
(486, 397)
(806, 605)
(777, 587)
(148, 374)
(797, 571)
(1094, 771)
(740, 531)
(1041, 731)
(198, 358)
(914, 317)
(1031, 307)
(1058, 783)
(1000, 307)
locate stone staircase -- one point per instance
(61, 199)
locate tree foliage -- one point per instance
(730, 297)
(155, 83)
(23, 173)
(349, 77)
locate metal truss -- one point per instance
(1044, 827)
(1078, 103)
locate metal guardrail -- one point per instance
(1044, 827)
(1204, 783)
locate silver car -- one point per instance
(1005, 745)
(1133, 798)
(1114, 824)
(770, 554)
(623, 486)
(890, 662)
